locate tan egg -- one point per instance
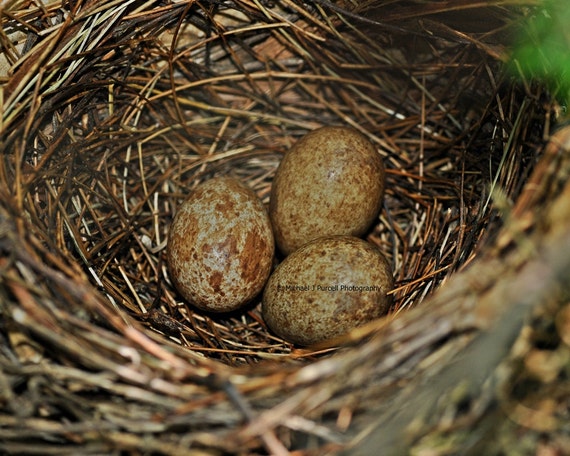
(220, 246)
(326, 288)
(331, 182)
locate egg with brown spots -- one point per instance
(331, 182)
(326, 288)
(220, 246)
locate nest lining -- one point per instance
(139, 103)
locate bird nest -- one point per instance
(112, 112)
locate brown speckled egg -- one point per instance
(220, 246)
(326, 288)
(331, 182)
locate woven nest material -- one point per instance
(113, 111)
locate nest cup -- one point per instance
(113, 113)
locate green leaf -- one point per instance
(542, 51)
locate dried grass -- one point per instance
(114, 111)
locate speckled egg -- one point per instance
(220, 246)
(326, 288)
(331, 182)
